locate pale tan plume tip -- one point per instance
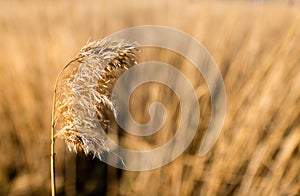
(83, 91)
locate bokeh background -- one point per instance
(256, 45)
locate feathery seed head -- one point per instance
(83, 95)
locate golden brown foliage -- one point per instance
(256, 46)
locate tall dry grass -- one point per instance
(256, 46)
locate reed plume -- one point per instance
(82, 96)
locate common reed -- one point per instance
(82, 97)
(256, 50)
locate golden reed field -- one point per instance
(257, 48)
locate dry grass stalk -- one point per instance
(82, 98)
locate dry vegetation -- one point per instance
(257, 48)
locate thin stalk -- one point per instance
(52, 154)
(52, 163)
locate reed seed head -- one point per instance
(83, 94)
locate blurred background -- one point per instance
(256, 45)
